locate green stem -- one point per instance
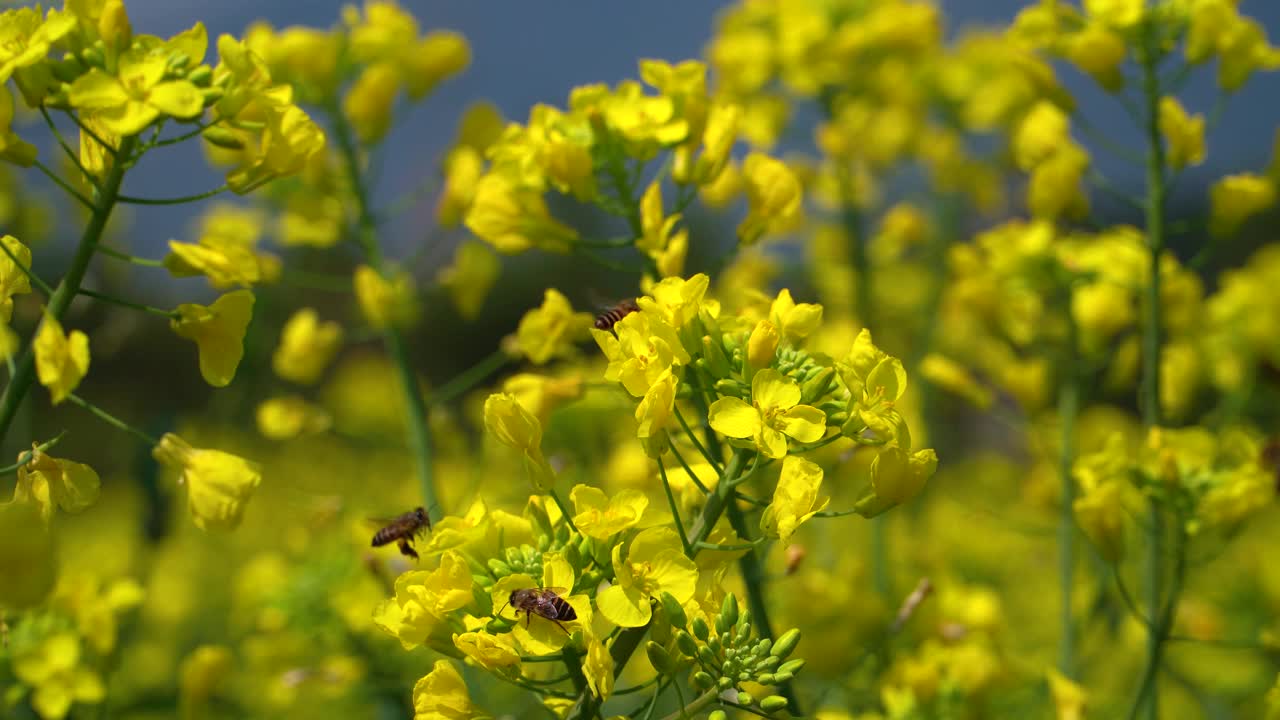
(692, 476)
(26, 456)
(66, 148)
(1149, 56)
(564, 509)
(175, 200)
(1068, 411)
(419, 432)
(171, 314)
(66, 291)
(1160, 629)
(144, 262)
(699, 703)
(112, 420)
(675, 509)
(469, 378)
(628, 640)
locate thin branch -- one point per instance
(176, 200)
(35, 279)
(63, 184)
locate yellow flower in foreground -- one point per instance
(423, 598)
(514, 426)
(774, 415)
(795, 320)
(896, 477)
(773, 197)
(62, 360)
(386, 302)
(53, 669)
(218, 483)
(27, 561)
(655, 562)
(600, 516)
(537, 635)
(551, 330)
(138, 94)
(306, 347)
(47, 481)
(795, 499)
(491, 651)
(598, 668)
(218, 332)
(441, 695)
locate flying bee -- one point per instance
(402, 530)
(607, 319)
(543, 602)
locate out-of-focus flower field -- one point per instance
(856, 388)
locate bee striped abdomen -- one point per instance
(563, 610)
(607, 319)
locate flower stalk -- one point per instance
(104, 202)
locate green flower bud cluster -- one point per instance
(726, 655)
(52, 82)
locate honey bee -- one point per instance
(543, 602)
(402, 529)
(607, 319)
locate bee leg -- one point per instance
(561, 626)
(407, 550)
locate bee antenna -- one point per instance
(504, 607)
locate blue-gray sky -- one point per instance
(528, 52)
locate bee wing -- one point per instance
(556, 590)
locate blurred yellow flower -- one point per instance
(1236, 198)
(796, 320)
(285, 418)
(773, 198)
(13, 278)
(474, 271)
(423, 598)
(46, 482)
(52, 667)
(954, 377)
(552, 330)
(218, 483)
(201, 674)
(1183, 134)
(369, 103)
(775, 413)
(62, 360)
(654, 563)
(1068, 697)
(795, 499)
(218, 331)
(598, 668)
(442, 695)
(514, 426)
(307, 345)
(1117, 13)
(896, 476)
(96, 608)
(513, 219)
(386, 302)
(27, 559)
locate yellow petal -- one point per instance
(178, 98)
(733, 418)
(771, 389)
(625, 607)
(802, 422)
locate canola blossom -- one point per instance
(817, 375)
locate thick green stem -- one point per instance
(418, 431)
(754, 578)
(588, 706)
(1149, 55)
(1068, 411)
(69, 287)
(699, 703)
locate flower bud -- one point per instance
(786, 644)
(782, 677)
(499, 568)
(67, 69)
(744, 698)
(498, 625)
(703, 681)
(223, 138)
(717, 715)
(700, 629)
(201, 76)
(792, 666)
(659, 659)
(762, 647)
(724, 683)
(114, 27)
(706, 656)
(762, 348)
(717, 361)
(675, 613)
(728, 613)
(816, 386)
(732, 388)
(686, 645)
(766, 679)
(773, 704)
(92, 56)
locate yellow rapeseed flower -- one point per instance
(600, 516)
(386, 302)
(423, 598)
(369, 103)
(795, 499)
(514, 426)
(795, 320)
(1183, 134)
(218, 483)
(474, 270)
(47, 482)
(773, 198)
(775, 413)
(218, 332)
(53, 668)
(441, 695)
(654, 563)
(13, 279)
(1236, 198)
(138, 94)
(62, 360)
(285, 418)
(513, 219)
